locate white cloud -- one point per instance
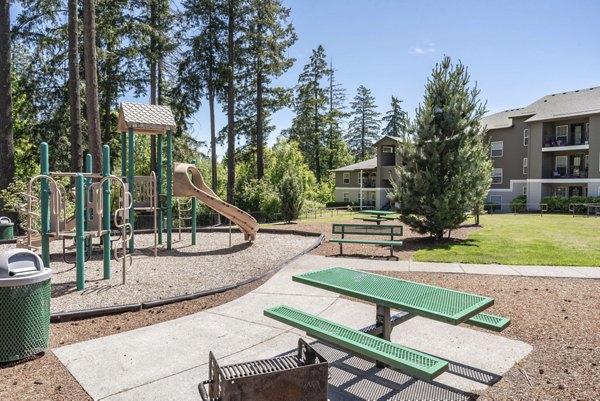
(428, 48)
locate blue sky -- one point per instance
(517, 51)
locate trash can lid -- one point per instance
(21, 267)
(5, 221)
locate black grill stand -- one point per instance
(301, 377)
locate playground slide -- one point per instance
(185, 185)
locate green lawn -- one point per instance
(525, 240)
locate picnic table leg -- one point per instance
(341, 248)
(382, 319)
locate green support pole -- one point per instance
(194, 215)
(123, 154)
(87, 185)
(169, 189)
(79, 231)
(130, 182)
(106, 210)
(45, 204)
(159, 163)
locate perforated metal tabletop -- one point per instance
(437, 303)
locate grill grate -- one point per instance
(262, 366)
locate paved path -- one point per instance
(166, 361)
(317, 261)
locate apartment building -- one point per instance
(366, 183)
(549, 148)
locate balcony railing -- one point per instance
(572, 173)
(570, 140)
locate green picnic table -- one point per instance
(411, 298)
(376, 216)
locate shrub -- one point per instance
(519, 204)
(258, 196)
(291, 194)
(556, 203)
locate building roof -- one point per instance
(576, 103)
(370, 164)
(499, 120)
(395, 138)
(146, 118)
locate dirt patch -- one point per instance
(558, 317)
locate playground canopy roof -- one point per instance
(146, 118)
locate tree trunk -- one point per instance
(91, 83)
(213, 139)
(230, 103)
(7, 150)
(108, 93)
(260, 163)
(74, 89)
(153, 79)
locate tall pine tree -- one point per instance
(7, 151)
(396, 121)
(448, 163)
(311, 105)
(337, 150)
(363, 129)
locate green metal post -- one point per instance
(88, 184)
(194, 215)
(130, 182)
(106, 210)
(79, 231)
(159, 163)
(45, 204)
(123, 154)
(169, 189)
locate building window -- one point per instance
(497, 176)
(561, 166)
(562, 134)
(346, 197)
(496, 202)
(587, 131)
(387, 149)
(526, 137)
(346, 178)
(497, 148)
(525, 165)
(561, 191)
(524, 190)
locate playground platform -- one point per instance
(167, 361)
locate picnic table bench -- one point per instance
(413, 299)
(368, 230)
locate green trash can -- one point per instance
(7, 228)
(24, 305)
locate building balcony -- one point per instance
(562, 174)
(569, 142)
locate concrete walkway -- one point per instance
(317, 262)
(166, 361)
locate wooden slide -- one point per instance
(188, 182)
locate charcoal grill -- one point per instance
(300, 377)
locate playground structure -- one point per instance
(92, 218)
(140, 194)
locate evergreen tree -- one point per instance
(396, 121)
(266, 42)
(311, 107)
(7, 150)
(291, 196)
(90, 58)
(200, 70)
(364, 126)
(338, 153)
(74, 88)
(447, 165)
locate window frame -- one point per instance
(494, 170)
(566, 135)
(344, 175)
(346, 197)
(525, 190)
(566, 158)
(525, 165)
(526, 137)
(501, 148)
(384, 147)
